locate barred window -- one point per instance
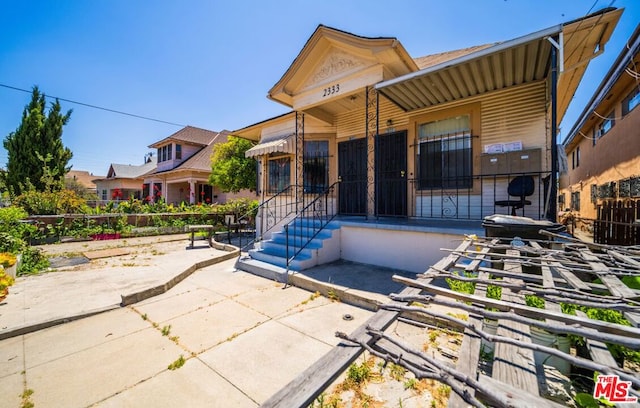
(445, 156)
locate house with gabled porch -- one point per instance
(123, 181)
(385, 157)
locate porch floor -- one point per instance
(449, 225)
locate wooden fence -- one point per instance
(617, 223)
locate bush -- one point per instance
(51, 203)
(10, 222)
(33, 261)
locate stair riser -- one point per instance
(296, 264)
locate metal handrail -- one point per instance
(305, 226)
(263, 208)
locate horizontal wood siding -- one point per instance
(353, 123)
(516, 115)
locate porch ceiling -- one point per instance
(515, 62)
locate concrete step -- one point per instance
(280, 249)
(295, 241)
(298, 264)
(263, 269)
(314, 223)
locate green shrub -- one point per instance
(33, 261)
(51, 203)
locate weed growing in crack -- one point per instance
(26, 399)
(166, 330)
(177, 364)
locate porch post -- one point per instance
(553, 191)
(299, 176)
(192, 192)
(372, 128)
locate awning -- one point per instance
(284, 144)
(520, 61)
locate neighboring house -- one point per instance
(603, 147)
(415, 139)
(183, 168)
(123, 181)
(83, 178)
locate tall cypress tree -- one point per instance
(36, 144)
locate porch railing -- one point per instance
(474, 197)
(271, 213)
(313, 218)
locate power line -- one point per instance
(96, 107)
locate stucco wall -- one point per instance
(411, 251)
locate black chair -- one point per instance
(521, 187)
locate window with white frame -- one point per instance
(445, 156)
(164, 153)
(279, 176)
(104, 194)
(178, 152)
(631, 101)
(606, 125)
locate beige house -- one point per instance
(603, 147)
(183, 168)
(123, 181)
(178, 172)
(395, 154)
(83, 178)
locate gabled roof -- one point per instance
(372, 50)
(630, 51)
(128, 171)
(190, 135)
(84, 178)
(522, 60)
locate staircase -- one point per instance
(323, 248)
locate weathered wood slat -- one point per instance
(616, 286)
(514, 397)
(469, 353)
(597, 349)
(513, 365)
(527, 311)
(303, 389)
(624, 258)
(570, 277)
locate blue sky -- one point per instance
(210, 63)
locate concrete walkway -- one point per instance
(242, 337)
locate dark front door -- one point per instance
(391, 174)
(352, 170)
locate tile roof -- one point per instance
(189, 134)
(435, 59)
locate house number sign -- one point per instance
(330, 90)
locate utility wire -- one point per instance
(96, 107)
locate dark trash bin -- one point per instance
(510, 226)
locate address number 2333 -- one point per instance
(330, 90)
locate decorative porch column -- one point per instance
(299, 175)
(192, 192)
(371, 133)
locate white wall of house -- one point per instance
(411, 251)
